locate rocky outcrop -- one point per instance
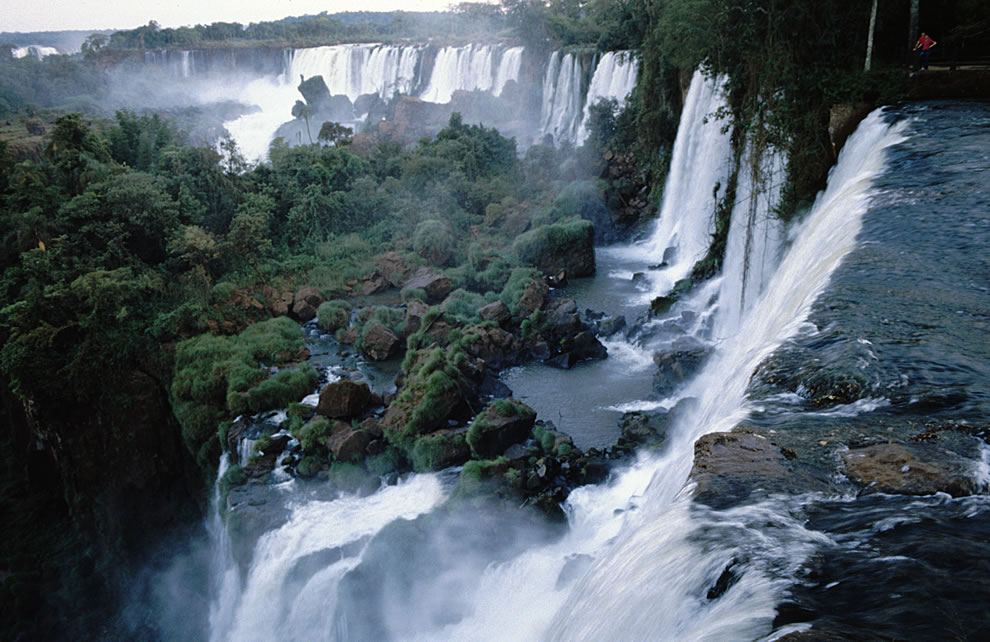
(380, 343)
(343, 399)
(347, 443)
(909, 469)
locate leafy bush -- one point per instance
(433, 241)
(314, 434)
(514, 288)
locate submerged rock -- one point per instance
(910, 469)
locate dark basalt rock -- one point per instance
(674, 368)
(347, 443)
(583, 347)
(497, 312)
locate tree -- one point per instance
(94, 43)
(334, 134)
(303, 111)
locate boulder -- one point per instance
(380, 343)
(503, 423)
(342, 399)
(646, 428)
(305, 303)
(393, 268)
(583, 347)
(729, 466)
(676, 366)
(494, 346)
(533, 298)
(347, 443)
(441, 449)
(497, 312)
(374, 283)
(436, 284)
(910, 469)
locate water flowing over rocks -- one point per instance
(910, 469)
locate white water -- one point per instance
(355, 70)
(273, 607)
(755, 238)
(601, 607)
(562, 98)
(699, 171)
(614, 77)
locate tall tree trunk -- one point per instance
(869, 38)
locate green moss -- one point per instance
(514, 288)
(333, 315)
(390, 461)
(313, 435)
(309, 466)
(556, 239)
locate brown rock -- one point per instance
(344, 398)
(380, 343)
(497, 428)
(347, 443)
(436, 284)
(415, 311)
(393, 268)
(374, 283)
(910, 469)
(533, 298)
(497, 312)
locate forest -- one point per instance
(140, 272)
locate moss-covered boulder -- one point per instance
(434, 283)
(568, 246)
(440, 449)
(379, 343)
(503, 423)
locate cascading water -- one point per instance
(698, 175)
(356, 70)
(509, 66)
(467, 68)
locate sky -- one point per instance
(61, 15)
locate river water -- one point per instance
(884, 283)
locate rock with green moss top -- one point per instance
(503, 423)
(440, 449)
(310, 466)
(343, 399)
(568, 246)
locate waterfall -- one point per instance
(35, 51)
(699, 171)
(658, 559)
(614, 77)
(464, 68)
(562, 98)
(355, 70)
(508, 68)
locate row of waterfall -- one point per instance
(34, 51)
(638, 555)
(567, 84)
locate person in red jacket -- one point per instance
(925, 43)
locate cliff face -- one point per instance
(90, 495)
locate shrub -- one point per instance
(314, 434)
(433, 241)
(309, 466)
(463, 306)
(434, 451)
(389, 461)
(514, 288)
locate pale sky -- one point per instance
(58, 15)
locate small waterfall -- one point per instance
(699, 171)
(614, 77)
(668, 571)
(563, 95)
